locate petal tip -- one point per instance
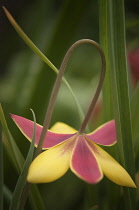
(13, 116)
(132, 184)
(113, 170)
(30, 179)
(50, 165)
(33, 175)
(33, 178)
(104, 134)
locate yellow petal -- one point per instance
(60, 127)
(112, 169)
(51, 164)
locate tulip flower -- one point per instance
(68, 149)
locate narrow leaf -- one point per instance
(7, 194)
(104, 43)
(13, 149)
(120, 86)
(22, 178)
(112, 192)
(43, 57)
(121, 93)
(28, 41)
(18, 160)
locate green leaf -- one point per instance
(104, 43)
(121, 86)
(121, 93)
(43, 57)
(18, 160)
(7, 195)
(22, 178)
(28, 41)
(112, 192)
(13, 150)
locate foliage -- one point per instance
(26, 82)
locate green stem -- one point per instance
(21, 183)
(18, 161)
(17, 157)
(28, 41)
(79, 108)
(104, 37)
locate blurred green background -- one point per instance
(26, 81)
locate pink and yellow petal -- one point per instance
(26, 127)
(60, 127)
(51, 164)
(104, 135)
(112, 169)
(83, 162)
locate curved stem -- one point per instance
(98, 90)
(57, 86)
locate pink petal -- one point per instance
(104, 135)
(26, 127)
(83, 162)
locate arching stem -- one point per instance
(98, 90)
(57, 86)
